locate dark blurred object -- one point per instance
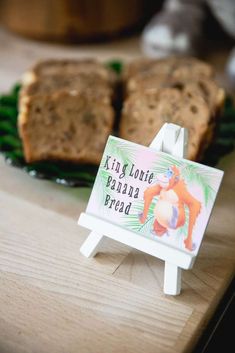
(218, 336)
(75, 20)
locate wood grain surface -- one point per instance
(52, 299)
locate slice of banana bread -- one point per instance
(205, 87)
(149, 70)
(183, 73)
(81, 82)
(177, 67)
(144, 114)
(65, 110)
(66, 126)
(177, 89)
(53, 67)
(86, 75)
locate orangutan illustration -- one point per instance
(169, 211)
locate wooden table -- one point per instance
(52, 299)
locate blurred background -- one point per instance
(36, 29)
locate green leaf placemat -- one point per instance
(84, 175)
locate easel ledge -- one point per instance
(152, 247)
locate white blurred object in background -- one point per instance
(177, 29)
(174, 30)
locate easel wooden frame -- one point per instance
(171, 139)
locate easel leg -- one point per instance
(90, 246)
(172, 279)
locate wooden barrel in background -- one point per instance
(75, 20)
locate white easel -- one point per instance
(171, 139)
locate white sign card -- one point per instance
(154, 194)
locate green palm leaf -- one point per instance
(193, 174)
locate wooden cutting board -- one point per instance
(52, 299)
